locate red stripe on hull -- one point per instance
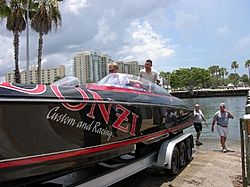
(58, 156)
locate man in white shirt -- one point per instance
(116, 79)
(221, 117)
(149, 73)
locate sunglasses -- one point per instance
(222, 107)
(111, 70)
(197, 106)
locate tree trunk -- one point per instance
(39, 62)
(248, 76)
(235, 76)
(16, 53)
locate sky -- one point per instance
(174, 34)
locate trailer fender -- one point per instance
(164, 157)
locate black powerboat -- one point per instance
(49, 131)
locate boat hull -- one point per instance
(50, 134)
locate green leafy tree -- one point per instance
(47, 15)
(245, 79)
(13, 11)
(175, 80)
(247, 65)
(189, 78)
(233, 77)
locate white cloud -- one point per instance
(144, 44)
(223, 30)
(223, 57)
(6, 55)
(244, 42)
(74, 6)
(186, 24)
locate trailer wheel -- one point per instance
(189, 149)
(183, 154)
(174, 162)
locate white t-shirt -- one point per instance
(118, 79)
(198, 119)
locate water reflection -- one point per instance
(236, 105)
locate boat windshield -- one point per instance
(118, 80)
(131, 82)
(67, 81)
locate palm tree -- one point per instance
(247, 65)
(47, 13)
(213, 70)
(234, 65)
(216, 69)
(222, 73)
(4, 10)
(14, 12)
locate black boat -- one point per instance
(49, 131)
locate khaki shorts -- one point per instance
(222, 131)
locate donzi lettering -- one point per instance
(94, 126)
(122, 113)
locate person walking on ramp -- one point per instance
(197, 119)
(221, 117)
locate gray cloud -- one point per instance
(125, 29)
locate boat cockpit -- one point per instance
(121, 80)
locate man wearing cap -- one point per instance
(197, 119)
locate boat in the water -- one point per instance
(47, 131)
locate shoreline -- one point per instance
(210, 93)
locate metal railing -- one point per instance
(245, 143)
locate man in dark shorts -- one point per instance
(197, 119)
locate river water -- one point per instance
(235, 105)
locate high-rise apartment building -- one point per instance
(48, 75)
(129, 67)
(90, 66)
